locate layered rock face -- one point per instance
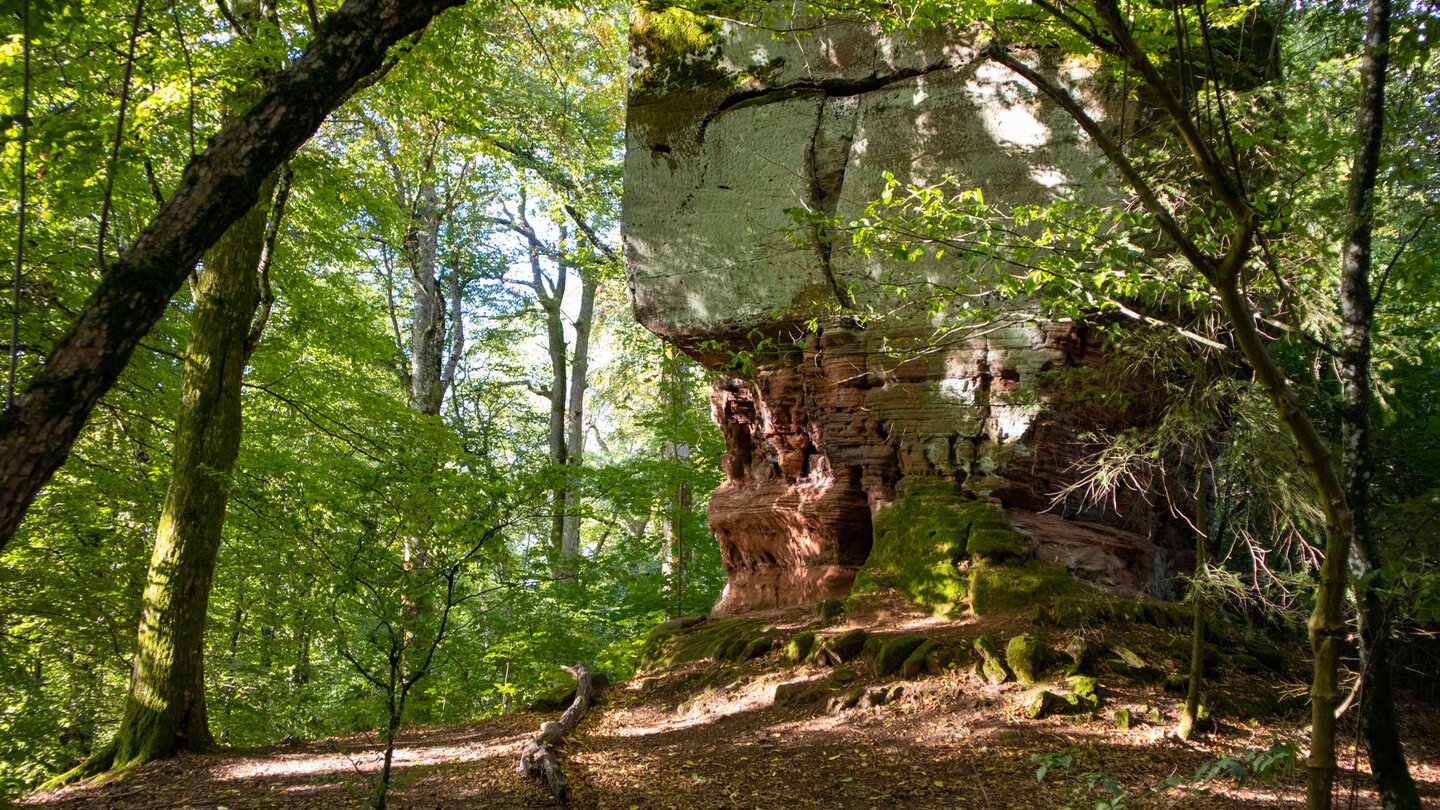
(862, 428)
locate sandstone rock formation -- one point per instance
(859, 425)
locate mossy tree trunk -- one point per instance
(39, 427)
(165, 710)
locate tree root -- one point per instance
(538, 758)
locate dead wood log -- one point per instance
(537, 758)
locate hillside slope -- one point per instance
(715, 734)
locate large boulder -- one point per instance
(864, 429)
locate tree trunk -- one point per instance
(674, 392)
(217, 188)
(575, 427)
(550, 303)
(1190, 717)
(1357, 311)
(165, 710)
(427, 325)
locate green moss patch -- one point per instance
(800, 646)
(1015, 588)
(682, 50)
(924, 533)
(1027, 657)
(893, 653)
(992, 664)
(720, 639)
(925, 657)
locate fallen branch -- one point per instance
(538, 757)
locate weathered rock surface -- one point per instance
(826, 412)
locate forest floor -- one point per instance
(711, 735)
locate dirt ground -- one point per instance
(710, 735)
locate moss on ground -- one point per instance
(721, 639)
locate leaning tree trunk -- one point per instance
(218, 187)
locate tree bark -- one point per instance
(1190, 717)
(575, 427)
(551, 301)
(165, 710)
(217, 188)
(1357, 312)
(674, 393)
(427, 324)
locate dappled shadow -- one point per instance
(950, 741)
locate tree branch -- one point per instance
(1201, 260)
(218, 187)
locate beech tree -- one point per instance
(218, 187)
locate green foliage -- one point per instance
(1270, 764)
(354, 521)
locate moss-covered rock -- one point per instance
(1121, 719)
(882, 695)
(992, 662)
(799, 646)
(842, 676)
(848, 700)
(848, 646)
(893, 653)
(830, 609)
(916, 661)
(756, 648)
(721, 639)
(1041, 703)
(1027, 656)
(871, 648)
(680, 50)
(922, 535)
(1086, 689)
(1018, 588)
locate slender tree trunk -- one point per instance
(674, 392)
(575, 427)
(427, 325)
(550, 303)
(1357, 311)
(1190, 717)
